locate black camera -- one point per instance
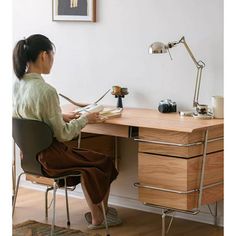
(167, 106)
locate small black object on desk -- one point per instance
(167, 106)
(119, 93)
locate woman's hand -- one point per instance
(70, 116)
(94, 117)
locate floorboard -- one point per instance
(30, 206)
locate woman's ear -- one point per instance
(43, 55)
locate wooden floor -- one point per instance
(30, 205)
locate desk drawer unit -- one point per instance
(169, 167)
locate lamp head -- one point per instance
(159, 47)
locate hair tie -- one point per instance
(25, 41)
(26, 46)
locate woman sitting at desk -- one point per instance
(33, 98)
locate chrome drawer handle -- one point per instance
(176, 144)
(139, 185)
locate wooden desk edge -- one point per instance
(150, 118)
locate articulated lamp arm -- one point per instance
(200, 65)
(159, 47)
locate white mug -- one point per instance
(218, 106)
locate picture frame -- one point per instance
(74, 10)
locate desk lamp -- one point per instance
(158, 47)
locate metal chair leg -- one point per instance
(14, 172)
(105, 218)
(67, 205)
(46, 201)
(16, 191)
(54, 206)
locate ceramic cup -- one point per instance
(202, 109)
(218, 106)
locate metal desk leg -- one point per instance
(216, 214)
(163, 230)
(116, 153)
(164, 214)
(105, 218)
(202, 173)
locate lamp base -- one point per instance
(203, 117)
(196, 115)
(186, 113)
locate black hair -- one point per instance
(27, 50)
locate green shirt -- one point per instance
(33, 98)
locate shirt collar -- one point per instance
(33, 76)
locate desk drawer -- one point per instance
(179, 174)
(180, 144)
(107, 129)
(181, 151)
(180, 201)
(180, 137)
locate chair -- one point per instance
(32, 137)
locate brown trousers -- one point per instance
(98, 170)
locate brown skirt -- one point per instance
(98, 170)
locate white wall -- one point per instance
(91, 57)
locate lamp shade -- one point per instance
(158, 47)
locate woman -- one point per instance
(33, 98)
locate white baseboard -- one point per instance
(204, 216)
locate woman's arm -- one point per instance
(52, 115)
(65, 126)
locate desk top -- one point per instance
(150, 118)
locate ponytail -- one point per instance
(27, 50)
(20, 58)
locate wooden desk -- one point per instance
(180, 159)
(172, 168)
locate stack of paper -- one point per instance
(90, 108)
(111, 112)
(106, 112)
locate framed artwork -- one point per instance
(74, 10)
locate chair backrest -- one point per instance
(32, 137)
